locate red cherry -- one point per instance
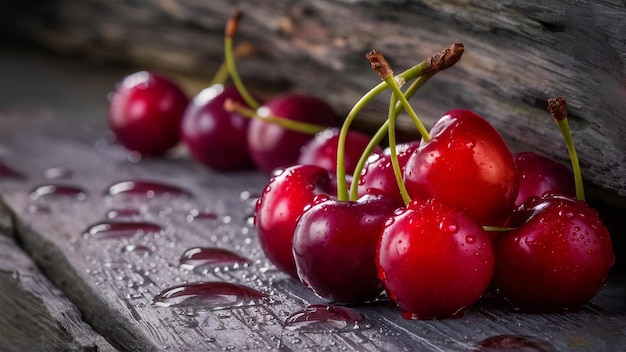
(466, 164)
(283, 200)
(539, 174)
(145, 112)
(558, 258)
(322, 150)
(334, 246)
(272, 146)
(216, 138)
(377, 175)
(434, 260)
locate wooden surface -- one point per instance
(518, 54)
(90, 293)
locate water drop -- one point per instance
(58, 173)
(195, 215)
(325, 318)
(38, 209)
(470, 239)
(122, 213)
(8, 172)
(449, 226)
(503, 343)
(209, 295)
(111, 229)
(58, 191)
(133, 248)
(196, 257)
(146, 188)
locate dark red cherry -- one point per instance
(272, 146)
(322, 150)
(334, 246)
(466, 164)
(558, 258)
(145, 112)
(214, 137)
(539, 174)
(377, 175)
(434, 260)
(282, 202)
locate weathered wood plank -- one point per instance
(518, 54)
(36, 316)
(113, 281)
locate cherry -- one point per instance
(272, 146)
(215, 137)
(378, 176)
(145, 112)
(466, 164)
(283, 200)
(434, 259)
(322, 149)
(558, 258)
(334, 247)
(560, 254)
(539, 174)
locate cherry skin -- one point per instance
(539, 174)
(434, 260)
(558, 258)
(334, 246)
(272, 146)
(283, 200)
(377, 175)
(214, 137)
(145, 112)
(322, 150)
(466, 164)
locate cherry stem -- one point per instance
(241, 50)
(303, 127)
(231, 30)
(498, 228)
(380, 134)
(558, 110)
(382, 67)
(438, 62)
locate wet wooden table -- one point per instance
(69, 285)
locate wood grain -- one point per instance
(46, 124)
(518, 54)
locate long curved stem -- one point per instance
(231, 29)
(558, 110)
(440, 61)
(380, 134)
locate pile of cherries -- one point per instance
(435, 223)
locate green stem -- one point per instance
(571, 149)
(380, 134)
(376, 140)
(221, 75)
(298, 126)
(497, 228)
(438, 62)
(395, 164)
(558, 109)
(231, 28)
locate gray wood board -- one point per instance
(36, 316)
(114, 286)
